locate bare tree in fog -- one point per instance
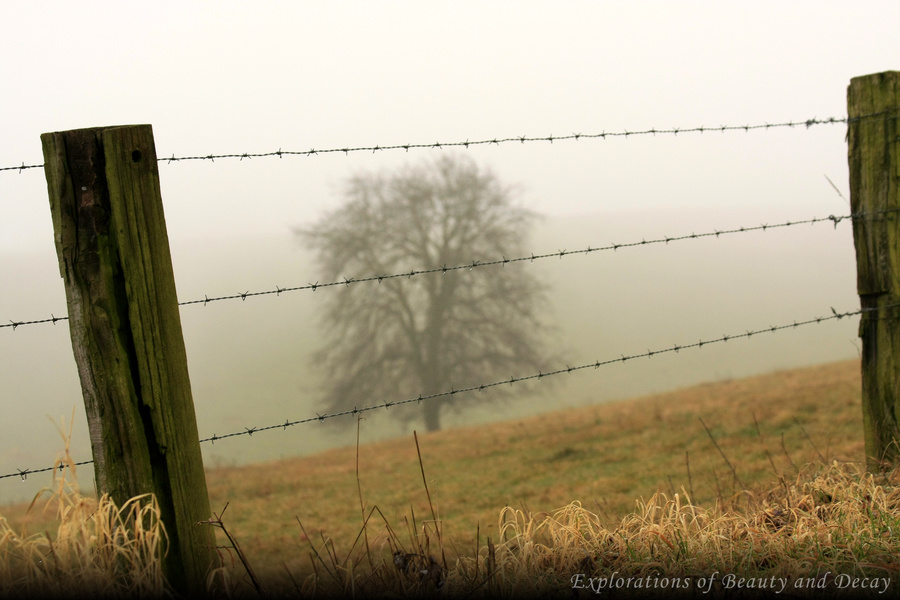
(403, 337)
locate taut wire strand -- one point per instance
(347, 281)
(625, 133)
(622, 358)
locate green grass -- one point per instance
(613, 487)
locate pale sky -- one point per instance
(234, 77)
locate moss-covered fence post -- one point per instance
(125, 326)
(873, 108)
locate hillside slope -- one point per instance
(605, 456)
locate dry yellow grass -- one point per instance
(604, 456)
(824, 531)
(764, 486)
(88, 547)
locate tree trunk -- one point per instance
(432, 410)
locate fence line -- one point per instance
(347, 281)
(807, 123)
(249, 431)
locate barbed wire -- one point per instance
(249, 431)
(347, 281)
(624, 133)
(22, 167)
(24, 473)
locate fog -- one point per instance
(233, 78)
(250, 360)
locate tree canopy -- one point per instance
(420, 335)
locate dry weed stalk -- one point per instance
(221, 579)
(394, 568)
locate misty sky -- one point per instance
(235, 77)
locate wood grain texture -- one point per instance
(125, 326)
(874, 161)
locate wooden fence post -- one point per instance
(873, 108)
(125, 326)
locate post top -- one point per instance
(83, 130)
(881, 75)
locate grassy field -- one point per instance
(604, 456)
(600, 469)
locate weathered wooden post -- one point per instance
(873, 108)
(125, 326)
